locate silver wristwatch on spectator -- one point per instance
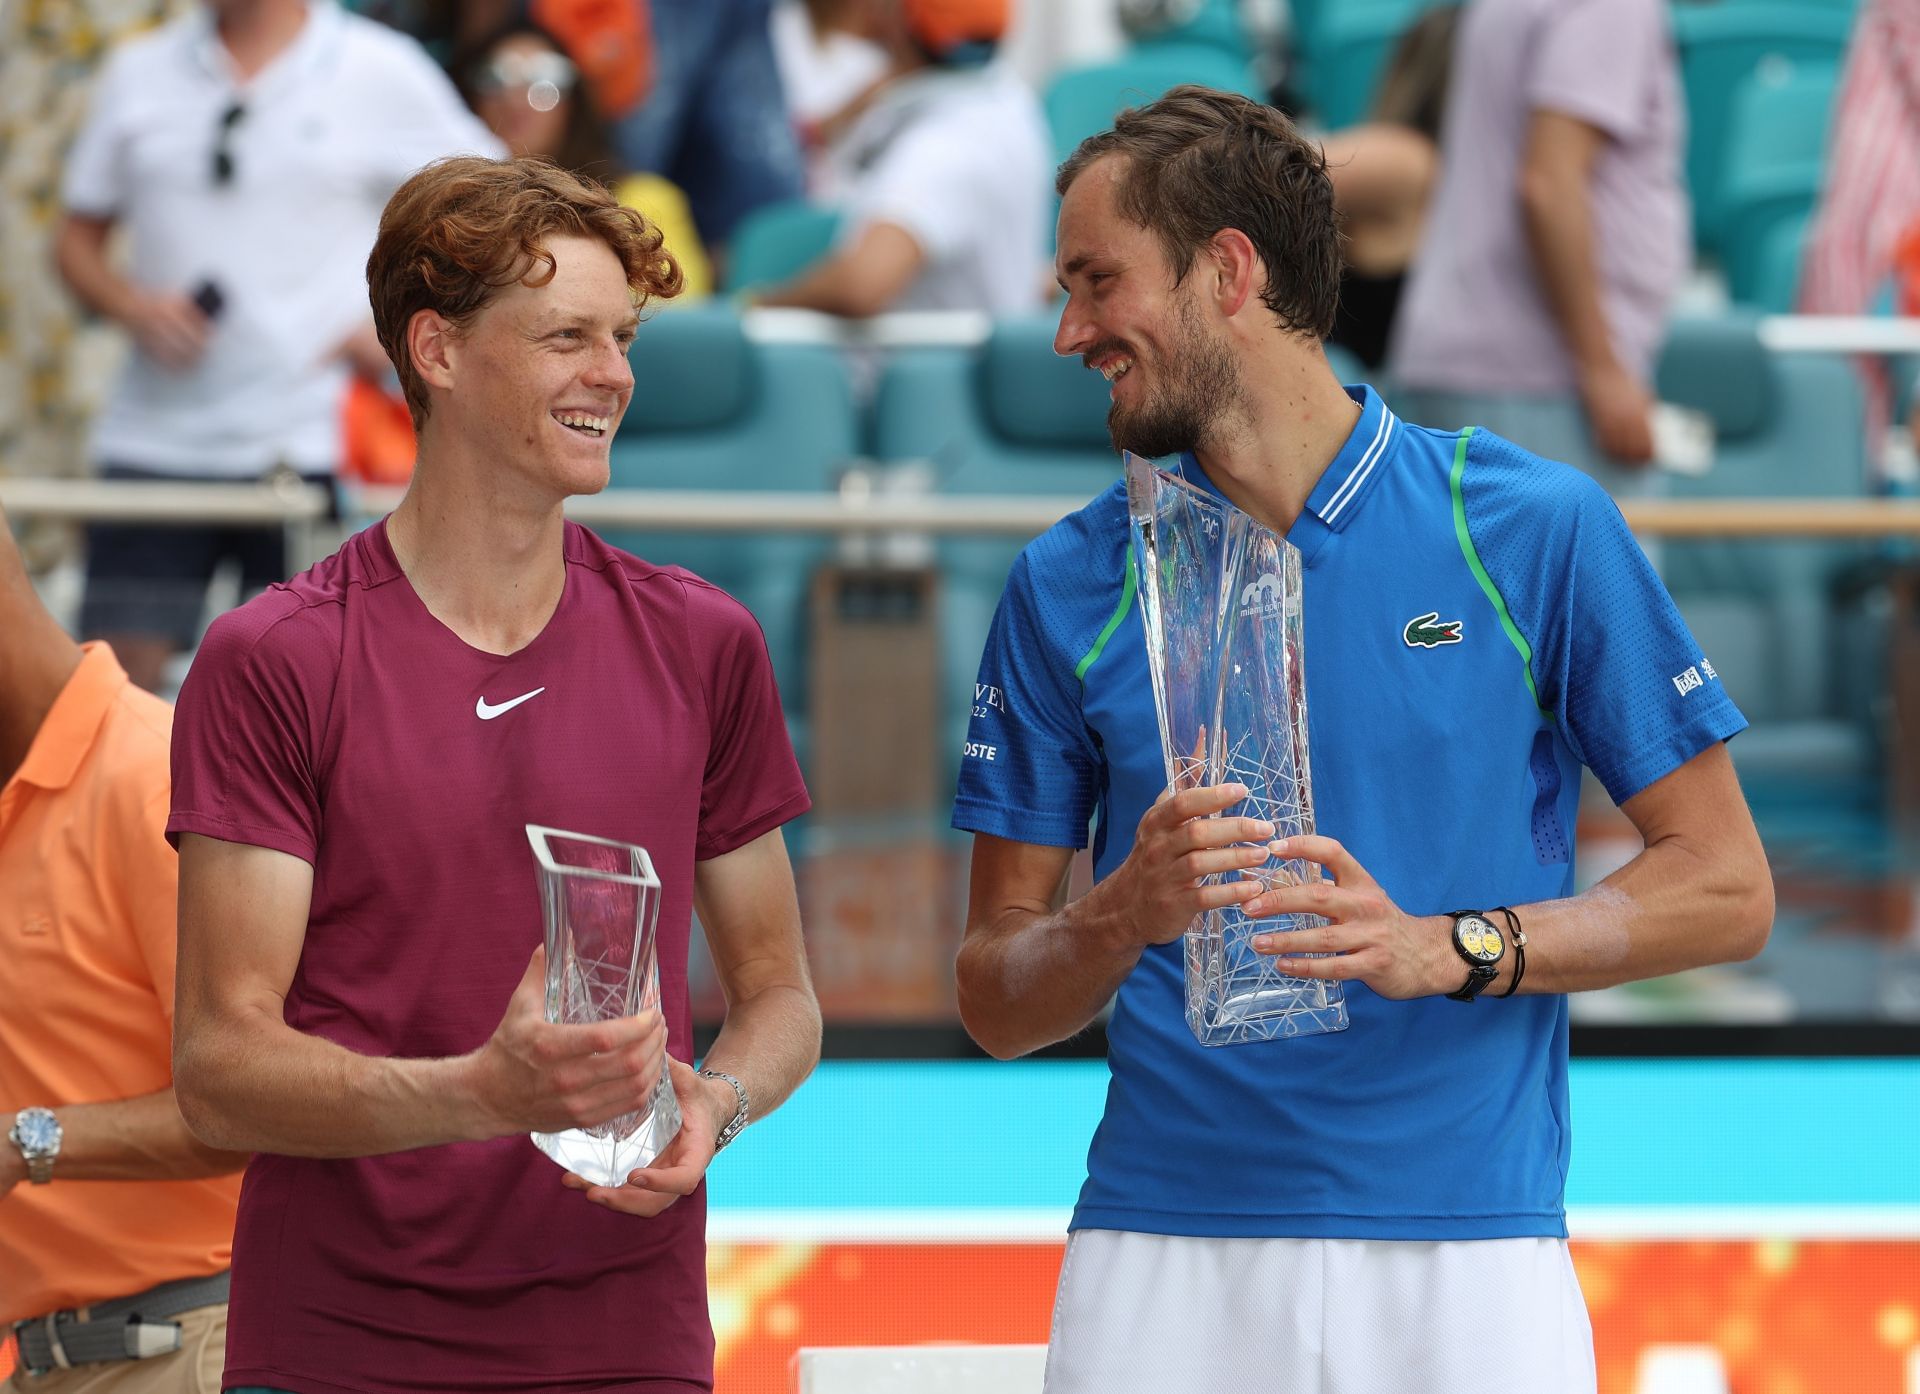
(732, 1127)
(37, 1133)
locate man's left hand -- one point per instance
(677, 1170)
(1373, 941)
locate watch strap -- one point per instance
(1478, 977)
(732, 1127)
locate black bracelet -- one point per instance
(1517, 937)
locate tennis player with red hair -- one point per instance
(356, 755)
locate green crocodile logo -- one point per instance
(1426, 631)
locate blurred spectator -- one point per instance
(526, 87)
(943, 176)
(247, 148)
(442, 27)
(1383, 175)
(1558, 237)
(104, 1194)
(826, 61)
(55, 362)
(713, 119)
(1872, 194)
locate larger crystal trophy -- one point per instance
(1221, 599)
(601, 902)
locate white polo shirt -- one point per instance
(962, 161)
(330, 129)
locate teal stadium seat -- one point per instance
(1083, 101)
(1776, 149)
(1721, 46)
(776, 242)
(1008, 418)
(1788, 426)
(1346, 51)
(712, 410)
(1782, 251)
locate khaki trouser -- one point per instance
(193, 1369)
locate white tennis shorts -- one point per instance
(1166, 1314)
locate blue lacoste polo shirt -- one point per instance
(1479, 623)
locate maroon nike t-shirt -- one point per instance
(335, 719)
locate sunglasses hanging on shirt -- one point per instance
(223, 144)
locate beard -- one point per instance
(1198, 383)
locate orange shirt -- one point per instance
(87, 915)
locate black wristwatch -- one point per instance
(1477, 940)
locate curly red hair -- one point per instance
(461, 230)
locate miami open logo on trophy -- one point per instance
(1221, 599)
(601, 902)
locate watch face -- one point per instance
(1477, 938)
(37, 1131)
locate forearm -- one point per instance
(834, 286)
(770, 1042)
(139, 1139)
(1030, 979)
(1670, 909)
(1559, 224)
(259, 1085)
(80, 254)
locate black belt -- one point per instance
(127, 1328)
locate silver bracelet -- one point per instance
(731, 1129)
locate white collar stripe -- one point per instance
(1344, 495)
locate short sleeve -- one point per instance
(1030, 770)
(1613, 663)
(752, 782)
(94, 180)
(246, 731)
(1594, 62)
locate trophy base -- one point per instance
(606, 1155)
(1252, 1002)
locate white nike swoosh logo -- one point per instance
(488, 713)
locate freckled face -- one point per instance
(541, 375)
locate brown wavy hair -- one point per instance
(1200, 160)
(461, 230)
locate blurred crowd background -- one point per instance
(1699, 286)
(861, 194)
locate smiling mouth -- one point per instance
(593, 427)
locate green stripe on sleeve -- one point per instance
(1467, 550)
(1113, 622)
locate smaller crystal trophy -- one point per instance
(1221, 599)
(601, 901)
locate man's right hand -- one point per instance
(169, 328)
(1157, 892)
(533, 1076)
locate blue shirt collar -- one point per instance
(1344, 485)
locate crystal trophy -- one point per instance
(1221, 598)
(601, 902)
